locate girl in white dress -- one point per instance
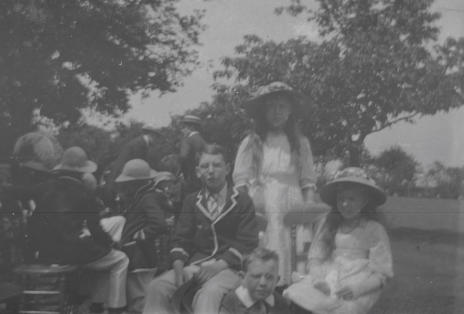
(350, 257)
(274, 165)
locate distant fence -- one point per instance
(424, 213)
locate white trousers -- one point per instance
(109, 284)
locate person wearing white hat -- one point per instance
(147, 228)
(191, 145)
(65, 229)
(145, 146)
(350, 258)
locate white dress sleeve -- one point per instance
(307, 172)
(380, 256)
(243, 168)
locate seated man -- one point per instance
(146, 231)
(256, 293)
(65, 229)
(216, 227)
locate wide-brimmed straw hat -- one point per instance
(352, 175)
(253, 106)
(75, 159)
(191, 119)
(136, 169)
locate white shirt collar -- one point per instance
(244, 296)
(221, 196)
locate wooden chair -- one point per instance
(295, 219)
(45, 289)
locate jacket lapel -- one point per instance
(231, 201)
(201, 204)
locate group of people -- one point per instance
(212, 254)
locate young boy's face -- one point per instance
(212, 171)
(261, 278)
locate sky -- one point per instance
(428, 139)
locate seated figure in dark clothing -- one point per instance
(65, 229)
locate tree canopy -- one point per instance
(61, 56)
(377, 62)
(397, 170)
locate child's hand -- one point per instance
(323, 287)
(345, 293)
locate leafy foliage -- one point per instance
(397, 170)
(62, 56)
(378, 62)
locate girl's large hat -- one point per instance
(75, 159)
(136, 169)
(352, 175)
(254, 104)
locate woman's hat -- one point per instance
(191, 119)
(164, 176)
(136, 169)
(254, 104)
(37, 151)
(75, 159)
(352, 175)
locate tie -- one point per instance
(213, 206)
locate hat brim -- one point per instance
(124, 178)
(151, 130)
(189, 121)
(328, 193)
(89, 167)
(254, 105)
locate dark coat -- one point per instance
(190, 147)
(231, 304)
(229, 237)
(56, 225)
(147, 215)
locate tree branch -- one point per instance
(390, 123)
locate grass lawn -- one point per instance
(429, 273)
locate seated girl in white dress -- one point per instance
(350, 258)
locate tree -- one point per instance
(94, 140)
(447, 181)
(378, 63)
(62, 56)
(398, 170)
(224, 121)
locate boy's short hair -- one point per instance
(261, 254)
(213, 149)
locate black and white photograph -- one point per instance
(231, 157)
